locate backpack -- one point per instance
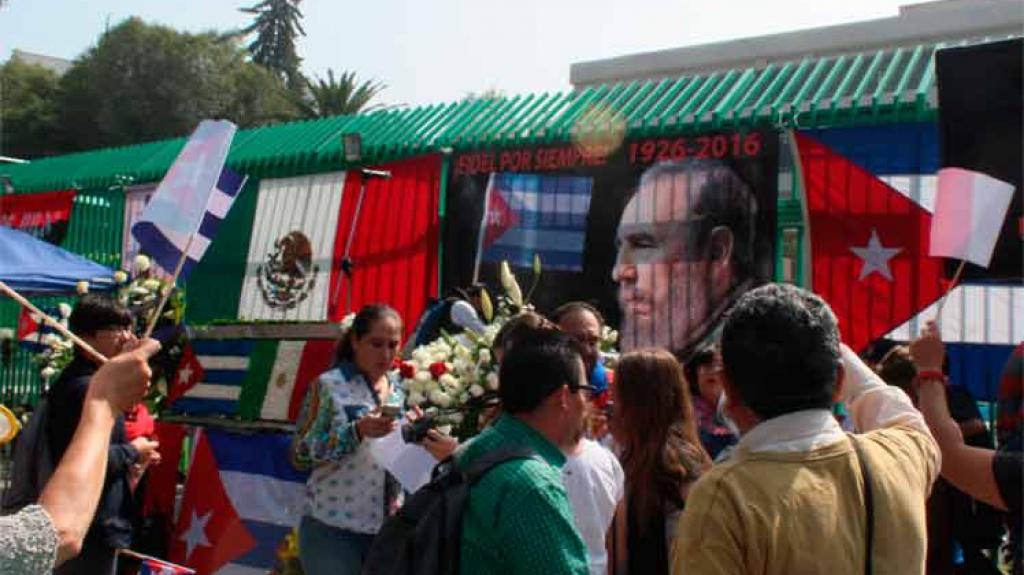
(425, 536)
(32, 463)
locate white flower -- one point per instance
(347, 321)
(455, 418)
(484, 357)
(120, 277)
(423, 376)
(445, 429)
(492, 381)
(462, 352)
(48, 372)
(82, 287)
(65, 309)
(415, 399)
(508, 281)
(431, 386)
(448, 381)
(51, 339)
(440, 398)
(151, 284)
(475, 390)
(6, 333)
(421, 355)
(140, 264)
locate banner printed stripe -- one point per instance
(254, 386)
(532, 182)
(544, 240)
(234, 452)
(198, 406)
(236, 347)
(224, 362)
(523, 201)
(570, 261)
(214, 391)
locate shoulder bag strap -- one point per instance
(869, 506)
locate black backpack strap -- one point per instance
(479, 467)
(869, 505)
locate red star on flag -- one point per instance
(187, 375)
(210, 532)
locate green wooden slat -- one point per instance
(522, 119)
(777, 81)
(546, 117)
(865, 80)
(657, 108)
(508, 109)
(648, 99)
(696, 85)
(687, 107)
(569, 117)
(723, 86)
(642, 92)
(727, 103)
(908, 70)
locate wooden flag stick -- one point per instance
(90, 350)
(945, 296)
(167, 292)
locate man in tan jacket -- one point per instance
(792, 498)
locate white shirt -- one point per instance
(595, 483)
(464, 315)
(872, 405)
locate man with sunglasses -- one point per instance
(105, 325)
(686, 253)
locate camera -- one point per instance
(416, 431)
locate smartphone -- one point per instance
(392, 411)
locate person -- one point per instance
(686, 252)
(794, 495)
(452, 314)
(952, 515)
(518, 520)
(47, 534)
(993, 477)
(655, 427)
(703, 376)
(583, 322)
(104, 324)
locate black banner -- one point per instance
(660, 234)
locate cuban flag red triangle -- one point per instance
(209, 532)
(189, 373)
(500, 217)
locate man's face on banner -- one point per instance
(664, 282)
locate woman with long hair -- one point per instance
(654, 426)
(348, 495)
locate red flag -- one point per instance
(869, 246)
(317, 356)
(189, 373)
(163, 478)
(500, 218)
(28, 326)
(209, 532)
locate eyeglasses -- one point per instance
(590, 390)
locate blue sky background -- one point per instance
(430, 51)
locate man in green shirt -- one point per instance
(518, 519)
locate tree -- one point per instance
(28, 109)
(340, 96)
(143, 82)
(277, 26)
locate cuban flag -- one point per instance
(191, 201)
(242, 498)
(216, 371)
(32, 329)
(534, 214)
(151, 566)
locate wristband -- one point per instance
(355, 431)
(930, 374)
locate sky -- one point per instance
(431, 51)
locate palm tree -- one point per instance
(277, 26)
(340, 96)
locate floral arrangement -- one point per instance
(57, 350)
(452, 377)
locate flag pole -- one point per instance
(805, 241)
(166, 293)
(90, 350)
(945, 296)
(483, 229)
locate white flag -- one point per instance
(969, 211)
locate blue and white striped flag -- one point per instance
(225, 364)
(533, 214)
(193, 198)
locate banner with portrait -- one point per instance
(660, 233)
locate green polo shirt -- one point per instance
(518, 519)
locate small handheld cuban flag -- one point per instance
(147, 565)
(191, 201)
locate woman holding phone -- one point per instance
(348, 495)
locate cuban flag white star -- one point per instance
(195, 535)
(875, 257)
(185, 374)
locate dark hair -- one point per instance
(361, 325)
(897, 368)
(575, 307)
(516, 327)
(780, 346)
(724, 199)
(541, 361)
(94, 312)
(465, 293)
(701, 357)
(661, 450)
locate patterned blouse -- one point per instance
(347, 488)
(28, 542)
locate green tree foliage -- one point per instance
(144, 82)
(340, 96)
(28, 110)
(277, 25)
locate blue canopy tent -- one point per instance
(33, 267)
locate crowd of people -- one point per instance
(730, 462)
